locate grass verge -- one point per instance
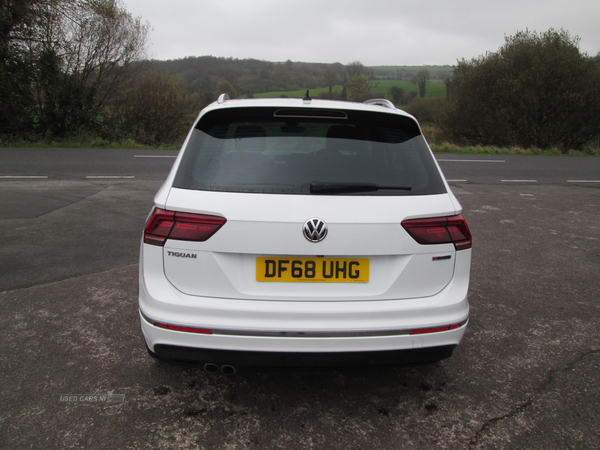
(453, 149)
(88, 143)
(439, 146)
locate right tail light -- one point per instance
(440, 230)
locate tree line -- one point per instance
(538, 90)
(63, 63)
(79, 67)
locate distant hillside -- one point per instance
(247, 76)
(250, 77)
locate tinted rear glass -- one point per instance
(283, 151)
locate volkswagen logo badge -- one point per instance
(315, 229)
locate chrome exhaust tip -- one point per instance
(226, 369)
(211, 368)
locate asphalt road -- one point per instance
(78, 165)
(76, 212)
(527, 374)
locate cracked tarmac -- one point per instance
(526, 376)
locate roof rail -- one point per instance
(223, 98)
(381, 102)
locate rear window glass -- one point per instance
(284, 151)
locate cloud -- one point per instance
(378, 32)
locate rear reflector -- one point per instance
(163, 225)
(440, 230)
(436, 330)
(178, 328)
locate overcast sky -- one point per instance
(374, 32)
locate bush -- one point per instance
(355, 87)
(538, 90)
(156, 111)
(368, 96)
(434, 134)
(397, 93)
(426, 110)
(408, 98)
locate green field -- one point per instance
(434, 90)
(436, 73)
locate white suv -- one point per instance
(299, 232)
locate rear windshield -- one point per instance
(292, 151)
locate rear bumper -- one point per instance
(295, 360)
(354, 349)
(291, 333)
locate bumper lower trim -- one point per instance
(313, 359)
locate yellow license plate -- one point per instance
(316, 270)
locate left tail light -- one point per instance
(163, 225)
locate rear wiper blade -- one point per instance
(334, 187)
